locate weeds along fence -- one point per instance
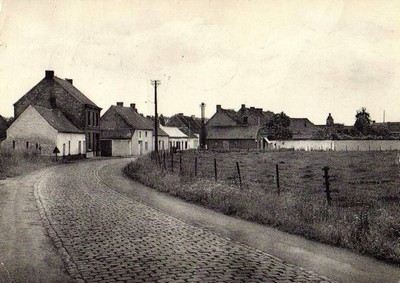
(353, 179)
(364, 192)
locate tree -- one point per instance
(363, 122)
(278, 127)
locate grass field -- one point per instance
(364, 215)
(14, 164)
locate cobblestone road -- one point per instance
(106, 237)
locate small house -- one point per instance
(125, 132)
(45, 131)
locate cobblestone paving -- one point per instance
(106, 237)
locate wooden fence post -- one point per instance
(215, 169)
(240, 177)
(327, 183)
(277, 180)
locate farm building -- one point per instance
(125, 132)
(58, 94)
(228, 129)
(177, 139)
(235, 137)
(42, 130)
(3, 128)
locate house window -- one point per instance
(88, 118)
(27, 145)
(63, 149)
(93, 119)
(140, 134)
(79, 147)
(186, 145)
(146, 146)
(97, 119)
(13, 144)
(145, 134)
(69, 147)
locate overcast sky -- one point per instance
(306, 58)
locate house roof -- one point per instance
(190, 122)
(233, 133)
(70, 88)
(188, 133)
(50, 86)
(160, 132)
(116, 134)
(57, 120)
(134, 119)
(3, 127)
(173, 132)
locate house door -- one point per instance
(106, 147)
(140, 147)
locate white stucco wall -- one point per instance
(140, 137)
(336, 145)
(31, 128)
(121, 147)
(163, 143)
(69, 143)
(303, 145)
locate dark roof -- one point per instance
(3, 127)
(160, 132)
(233, 133)
(70, 88)
(190, 122)
(134, 119)
(57, 120)
(189, 133)
(50, 86)
(116, 134)
(303, 128)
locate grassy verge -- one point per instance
(14, 164)
(364, 215)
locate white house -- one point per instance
(42, 129)
(177, 139)
(125, 132)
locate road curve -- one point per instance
(105, 236)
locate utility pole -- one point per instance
(155, 83)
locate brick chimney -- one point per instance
(120, 104)
(218, 107)
(49, 74)
(133, 107)
(69, 80)
(243, 107)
